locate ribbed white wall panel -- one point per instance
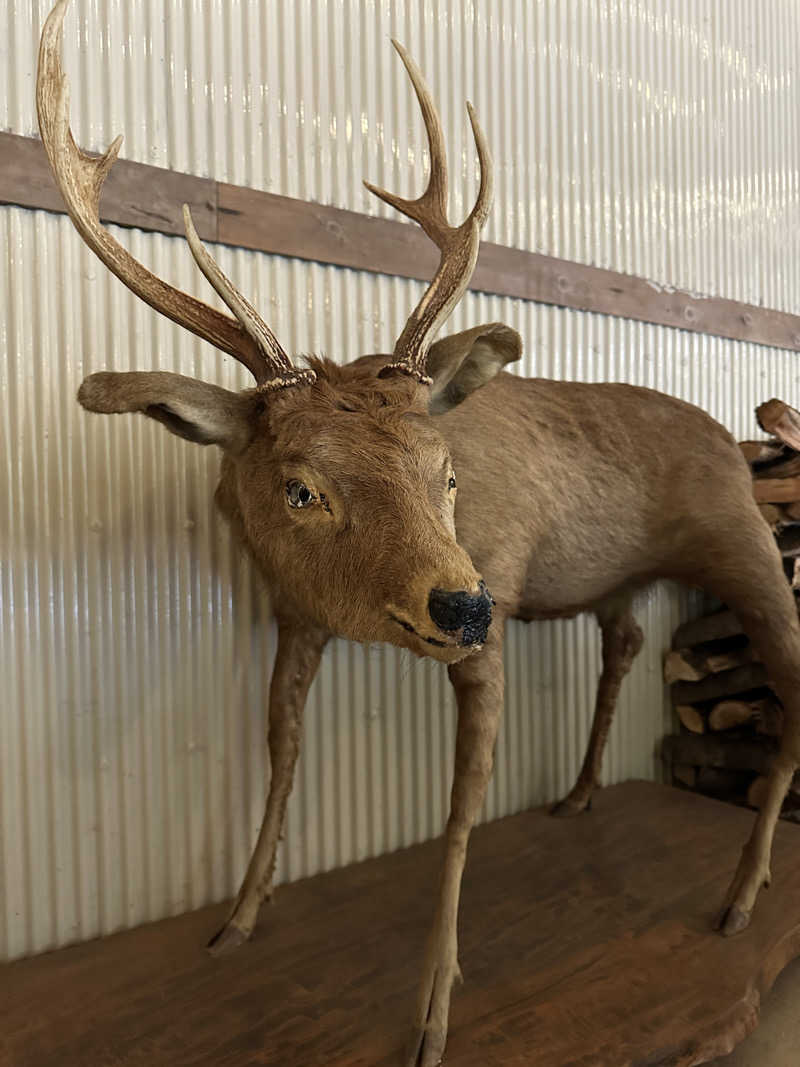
(655, 137)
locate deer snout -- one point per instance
(470, 613)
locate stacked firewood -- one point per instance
(730, 718)
(775, 465)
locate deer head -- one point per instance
(336, 478)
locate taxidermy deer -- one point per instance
(340, 482)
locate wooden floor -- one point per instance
(584, 942)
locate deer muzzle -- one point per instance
(466, 615)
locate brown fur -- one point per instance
(570, 498)
(368, 447)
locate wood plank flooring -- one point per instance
(585, 942)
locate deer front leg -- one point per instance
(478, 682)
(296, 663)
(622, 641)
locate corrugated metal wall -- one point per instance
(653, 136)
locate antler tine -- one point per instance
(458, 244)
(80, 178)
(483, 203)
(430, 209)
(281, 365)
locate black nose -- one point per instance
(462, 611)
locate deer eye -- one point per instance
(451, 484)
(299, 495)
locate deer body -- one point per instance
(341, 482)
(598, 495)
(607, 488)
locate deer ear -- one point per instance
(189, 408)
(464, 362)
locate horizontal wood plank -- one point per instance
(284, 226)
(134, 194)
(151, 197)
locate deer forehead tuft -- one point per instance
(339, 397)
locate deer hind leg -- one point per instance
(749, 578)
(478, 682)
(296, 663)
(622, 641)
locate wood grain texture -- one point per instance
(724, 684)
(134, 194)
(707, 628)
(151, 198)
(776, 490)
(279, 224)
(584, 942)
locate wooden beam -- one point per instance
(266, 222)
(135, 194)
(150, 198)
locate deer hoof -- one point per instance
(732, 921)
(570, 806)
(227, 939)
(426, 1048)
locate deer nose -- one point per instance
(470, 613)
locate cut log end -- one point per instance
(692, 718)
(760, 451)
(728, 714)
(764, 714)
(691, 665)
(681, 666)
(782, 421)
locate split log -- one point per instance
(786, 464)
(765, 714)
(713, 750)
(760, 451)
(717, 686)
(691, 718)
(734, 657)
(728, 714)
(707, 628)
(688, 665)
(776, 490)
(683, 665)
(777, 418)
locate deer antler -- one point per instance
(458, 244)
(80, 178)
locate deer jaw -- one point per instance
(345, 496)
